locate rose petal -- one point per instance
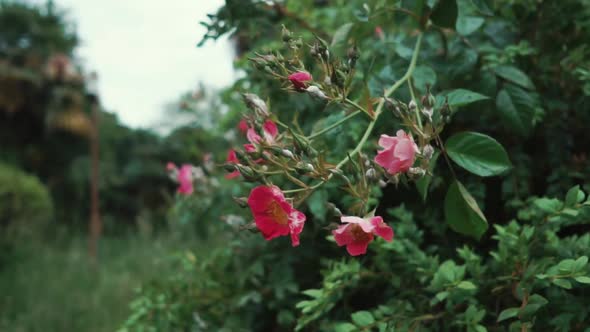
(358, 248)
(382, 229)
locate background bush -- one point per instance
(26, 207)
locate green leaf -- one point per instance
(483, 6)
(478, 153)
(345, 327)
(480, 328)
(314, 293)
(515, 120)
(341, 34)
(462, 213)
(423, 183)
(423, 75)
(466, 25)
(514, 75)
(548, 205)
(441, 296)
(574, 196)
(461, 97)
(467, 285)
(362, 318)
(445, 14)
(563, 283)
(535, 302)
(582, 279)
(566, 265)
(508, 313)
(580, 263)
(317, 204)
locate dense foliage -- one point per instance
(515, 73)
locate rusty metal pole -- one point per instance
(95, 226)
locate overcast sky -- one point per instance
(145, 53)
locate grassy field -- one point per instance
(52, 286)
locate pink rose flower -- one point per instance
(357, 233)
(273, 215)
(182, 176)
(299, 78)
(185, 179)
(398, 152)
(232, 159)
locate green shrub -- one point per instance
(523, 265)
(25, 203)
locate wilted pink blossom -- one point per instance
(357, 233)
(273, 215)
(398, 154)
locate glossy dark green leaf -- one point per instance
(508, 313)
(510, 115)
(461, 97)
(362, 318)
(466, 25)
(583, 279)
(422, 76)
(478, 153)
(514, 75)
(341, 34)
(562, 283)
(445, 14)
(483, 6)
(462, 212)
(574, 196)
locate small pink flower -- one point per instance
(273, 215)
(243, 126)
(269, 132)
(232, 158)
(357, 233)
(253, 136)
(299, 78)
(170, 167)
(249, 148)
(379, 32)
(185, 179)
(398, 152)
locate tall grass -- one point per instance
(52, 286)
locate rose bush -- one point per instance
(393, 132)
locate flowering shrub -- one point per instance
(294, 156)
(374, 119)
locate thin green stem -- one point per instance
(418, 119)
(280, 123)
(444, 152)
(355, 105)
(336, 124)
